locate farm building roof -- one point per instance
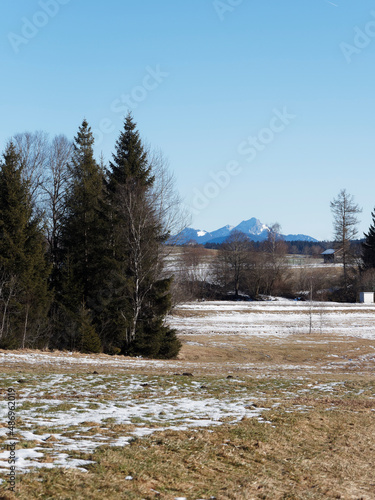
(330, 251)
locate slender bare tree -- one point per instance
(166, 200)
(56, 180)
(275, 250)
(33, 149)
(143, 209)
(143, 253)
(234, 261)
(345, 221)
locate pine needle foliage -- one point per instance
(24, 269)
(368, 246)
(143, 297)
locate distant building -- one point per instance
(366, 297)
(331, 255)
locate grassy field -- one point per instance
(256, 407)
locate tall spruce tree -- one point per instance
(24, 269)
(368, 246)
(130, 163)
(83, 234)
(141, 296)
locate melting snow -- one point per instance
(279, 318)
(157, 410)
(170, 405)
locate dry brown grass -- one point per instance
(316, 455)
(316, 444)
(219, 355)
(301, 350)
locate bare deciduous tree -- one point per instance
(345, 222)
(234, 261)
(33, 150)
(56, 181)
(275, 250)
(194, 270)
(138, 210)
(45, 168)
(166, 200)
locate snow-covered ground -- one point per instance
(80, 405)
(279, 318)
(59, 414)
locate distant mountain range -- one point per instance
(253, 228)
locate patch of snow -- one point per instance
(186, 410)
(276, 317)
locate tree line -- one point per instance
(296, 247)
(83, 254)
(237, 268)
(81, 246)
(241, 268)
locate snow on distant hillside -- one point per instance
(253, 228)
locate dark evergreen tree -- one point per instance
(153, 338)
(130, 163)
(368, 246)
(24, 269)
(141, 296)
(84, 231)
(88, 339)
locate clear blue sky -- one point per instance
(206, 78)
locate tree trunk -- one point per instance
(25, 326)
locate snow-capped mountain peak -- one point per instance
(201, 233)
(253, 228)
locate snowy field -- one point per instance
(69, 404)
(278, 318)
(61, 416)
(58, 414)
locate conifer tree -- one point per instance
(24, 295)
(368, 246)
(130, 163)
(142, 296)
(83, 232)
(88, 339)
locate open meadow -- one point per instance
(267, 400)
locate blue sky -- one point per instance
(264, 108)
